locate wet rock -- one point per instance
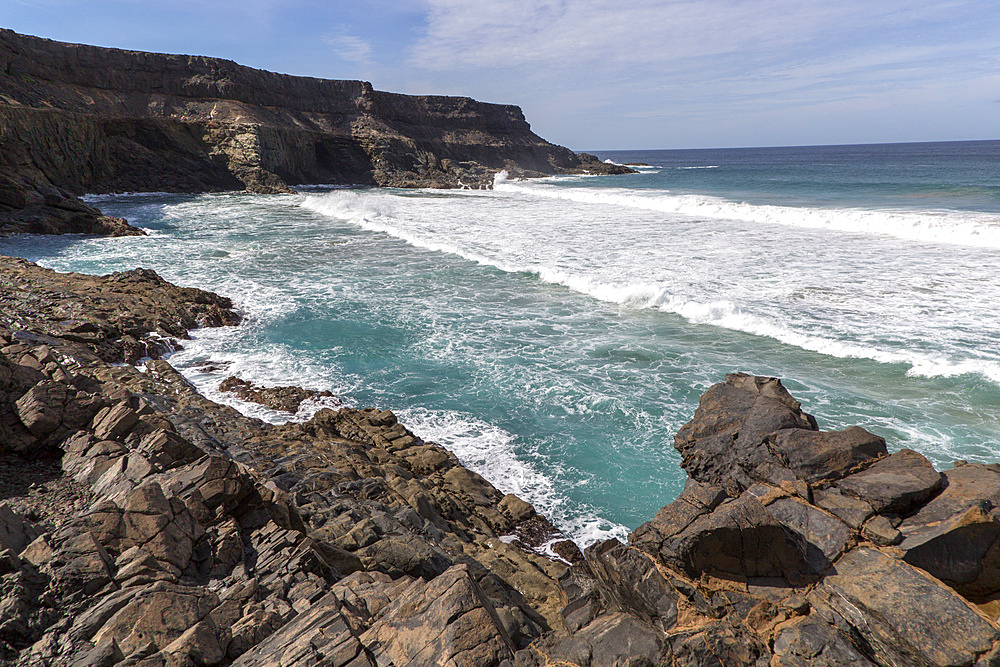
(286, 399)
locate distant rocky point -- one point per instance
(78, 119)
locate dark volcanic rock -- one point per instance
(815, 455)
(895, 484)
(286, 399)
(724, 445)
(145, 525)
(77, 119)
(781, 570)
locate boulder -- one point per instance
(896, 484)
(157, 614)
(630, 581)
(320, 636)
(446, 621)
(740, 538)
(905, 616)
(826, 455)
(811, 642)
(723, 445)
(826, 536)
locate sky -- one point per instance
(593, 74)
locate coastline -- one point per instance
(263, 538)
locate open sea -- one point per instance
(556, 333)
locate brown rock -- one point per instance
(157, 614)
(739, 538)
(448, 620)
(114, 422)
(723, 445)
(896, 484)
(826, 455)
(906, 617)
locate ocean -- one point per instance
(556, 333)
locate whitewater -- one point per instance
(555, 333)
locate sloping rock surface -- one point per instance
(77, 119)
(141, 524)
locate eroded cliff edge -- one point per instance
(141, 524)
(76, 119)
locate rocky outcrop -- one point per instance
(285, 399)
(76, 119)
(792, 546)
(186, 533)
(142, 524)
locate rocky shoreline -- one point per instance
(78, 119)
(142, 524)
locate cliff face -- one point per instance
(76, 119)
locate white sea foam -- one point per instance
(518, 251)
(931, 226)
(490, 451)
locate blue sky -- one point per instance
(594, 74)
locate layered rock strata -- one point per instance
(142, 524)
(77, 119)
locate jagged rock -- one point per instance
(631, 582)
(827, 455)
(810, 642)
(955, 535)
(896, 483)
(848, 509)
(204, 537)
(906, 617)
(448, 620)
(720, 645)
(739, 538)
(114, 422)
(157, 614)
(723, 445)
(41, 408)
(286, 399)
(880, 531)
(826, 536)
(12, 535)
(105, 654)
(321, 635)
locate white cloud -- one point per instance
(350, 48)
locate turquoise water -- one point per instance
(556, 333)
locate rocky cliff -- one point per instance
(141, 524)
(77, 119)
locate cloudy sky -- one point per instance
(592, 74)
